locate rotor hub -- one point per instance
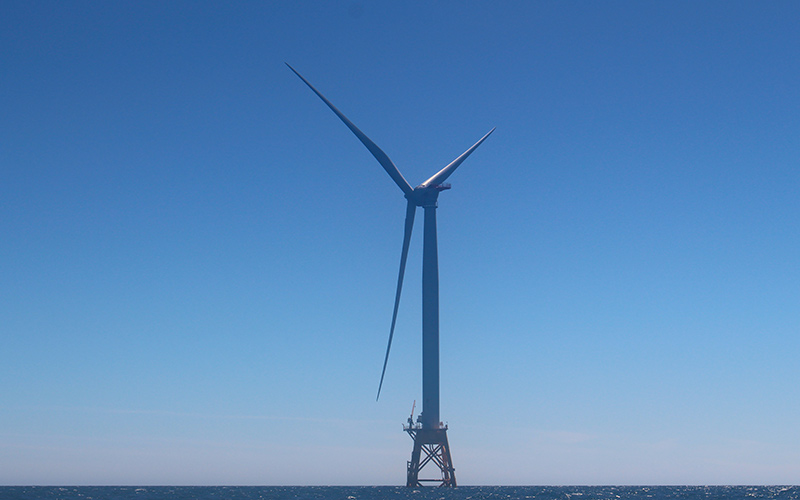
(426, 196)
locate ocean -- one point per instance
(397, 492)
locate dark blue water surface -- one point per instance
(391, 492)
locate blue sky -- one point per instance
(199, 259)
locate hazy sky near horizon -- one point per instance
(198, 259)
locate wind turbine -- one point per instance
(429, 434)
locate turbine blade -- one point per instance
(373, 148)
(444, 173)
(410, 212)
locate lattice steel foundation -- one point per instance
(430, 447)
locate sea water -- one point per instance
(392, 492)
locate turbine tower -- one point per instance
(429, 433)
